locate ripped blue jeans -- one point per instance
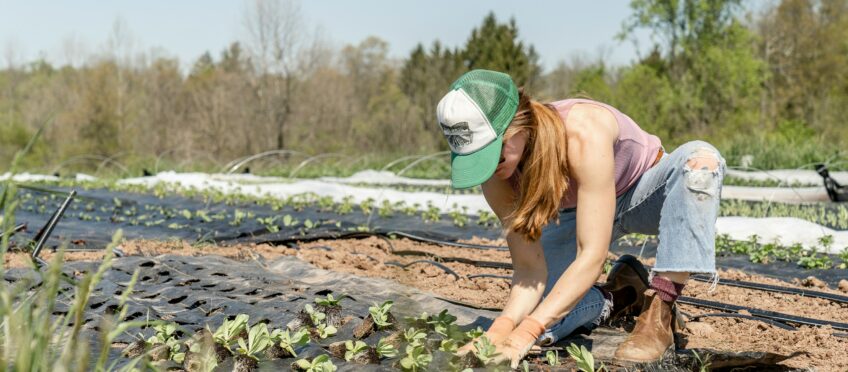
(672, 200)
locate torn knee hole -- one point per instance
(702, 174)
(703, 159)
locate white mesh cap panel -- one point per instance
(463, 123)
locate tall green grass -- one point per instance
(34, 334)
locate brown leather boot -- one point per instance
(653, 334)
(627, 281)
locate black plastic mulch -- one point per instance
(198, 292)
(149, 217)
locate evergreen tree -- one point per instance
(495, 46)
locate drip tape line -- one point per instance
(773, 315)
(431, 262)
(776, 289)
(441, 242)
(468, 305)
(744, 316)
(494, 276)
(476, 263)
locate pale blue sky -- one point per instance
(187, 28)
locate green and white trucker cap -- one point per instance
(474, 116)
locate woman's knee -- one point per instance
(703, 168)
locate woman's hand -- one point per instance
(497, 333)
(519, 342)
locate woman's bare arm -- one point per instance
(530, 272)
(591, 135)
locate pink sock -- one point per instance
(667, 290)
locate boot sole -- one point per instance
(634, 264)
(637, 363)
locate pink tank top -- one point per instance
(635, 151)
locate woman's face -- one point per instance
(511, 155)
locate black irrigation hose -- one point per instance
(773, 315)
(431, 262)
(776, 289)
(452, 244)
(494, 276)
(467, 261)
(758, 313)
(468, 305)
(744, 316)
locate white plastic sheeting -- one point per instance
(787, 176)
(787, 230)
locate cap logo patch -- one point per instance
(458, 135)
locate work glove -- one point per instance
(515, 347)
(497, 332)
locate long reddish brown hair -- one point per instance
(543, 167)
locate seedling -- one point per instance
(366, 206)
(203, 216)
(443, 323)
(552, 357)
(321, 363)
(474, 333)
(449, 345)
(346, 206)
(258, 339)
(325, 330)
(270, 223)
(227, 332)
(380, 314)
(486, 218)
(583, 358)
(315, 316)
(166, 335)
(289, 341)
(417, 358)
(238, 218)
(385, 349)
(330, 301)
(432, 214)
(386, 210)
(843, 256)
(485, 350)
(460, 218)
(354, 348)
(289, 221)
(414, 336)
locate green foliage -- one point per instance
(330, 300)
(258, 339)
(325, 330)
(443, 324)
(485, 350)
(583, 358)
(417, 358)
(380, 314)
(228, 331)
(552, 358)
(414, 336)
(495, 46)
(165, 334)
(353, 348)
(843, 257)
(385, 349)
(321, 363)
(290, 340)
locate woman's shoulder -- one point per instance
(590, 119)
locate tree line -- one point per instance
(771, 84)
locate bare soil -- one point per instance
(370, 257)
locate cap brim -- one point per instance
(475, 168)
